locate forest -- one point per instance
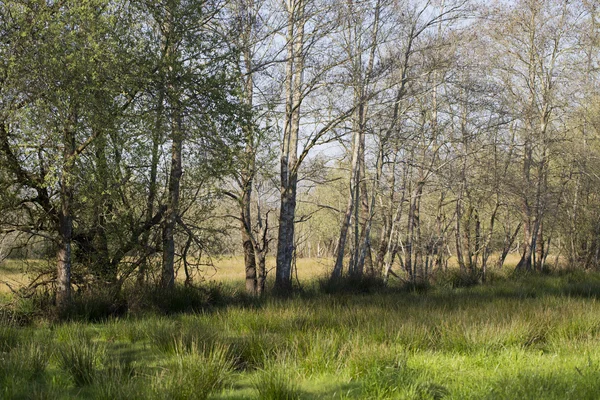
(430, 165)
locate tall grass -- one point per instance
(27, 361)
(195, 373)
(529, 337)
(9, 338)
(80, 356)
(277, 381)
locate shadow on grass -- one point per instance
(575, 384)
(350, 390)
(99, 305)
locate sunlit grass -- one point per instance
(16, 274)
(523, 337)
(231, 268)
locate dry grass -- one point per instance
(231, 269)
(14, 273)
(226, 269)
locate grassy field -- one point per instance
(528, 337)
(227, 269)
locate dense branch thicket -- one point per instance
(137, 137)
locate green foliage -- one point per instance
(252, 350)
(170, 337)
(118, 380)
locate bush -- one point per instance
(178, 299)
(94, 306)
(455, 279)
(352, 284)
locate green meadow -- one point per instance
(516, 337)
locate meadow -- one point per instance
(516, 337)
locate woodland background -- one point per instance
(394, 138)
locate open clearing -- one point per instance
(528, 337)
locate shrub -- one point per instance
(118, 380)
(95, 305)
(178, 299)
(352, 284)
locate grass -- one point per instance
(276, 382)
(522, 337)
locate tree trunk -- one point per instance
(247, 179)
(366, 241)
(250, 264)
(458, 234)
(173, 96)
(101, 261)
(289, 151)
(394, 237)
(525, 264)
(339, 260)
(168, 234)
(65, 218)
(262, 272)
(411, 258)
(152, 185)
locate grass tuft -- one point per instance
(10, 337)
(27, 362)
(195, 374)
(80, 357)
(275, 383)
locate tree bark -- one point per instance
(170, 222)
(289, 151)
(65, 218)
(341, 245)
(152, 185)
(253, 286)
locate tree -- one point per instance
(538, 45)
(58, 75)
